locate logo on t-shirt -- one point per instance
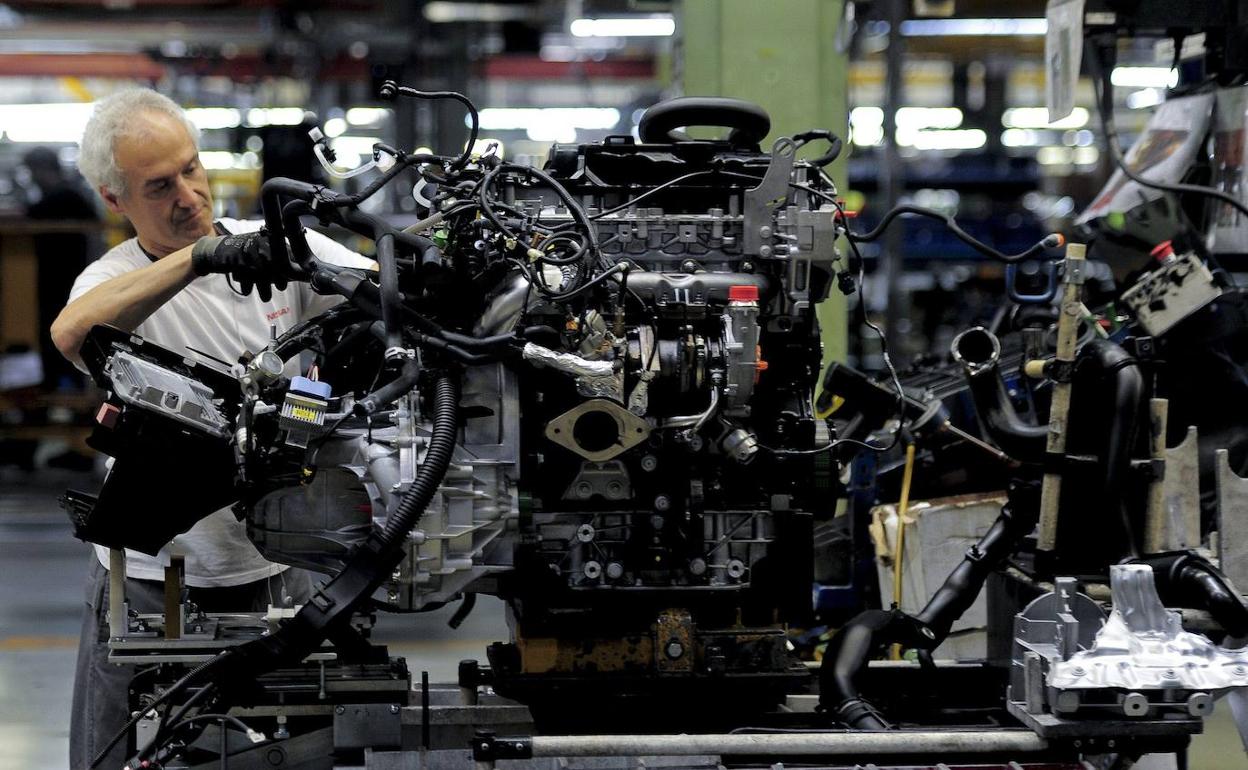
(276, 314)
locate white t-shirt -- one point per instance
(208, 315)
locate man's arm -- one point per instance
(125, 301)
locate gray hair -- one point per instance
(113, 118)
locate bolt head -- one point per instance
(674, 649)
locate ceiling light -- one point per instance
(1038, 117)
(46, 123)
(216, 160)
(275, 116)
(957, 139)
(525, 118)
(367, 116)
(1148, 97)
(973, 27)
(208, 118)
(444, 12)
(1144, 77)
(335, 127)
(632, 26)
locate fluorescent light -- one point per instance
(1038, 117)
(955, 139)
(1148, 97)
(1086, 156)
(1064, 156)
(367, 116)
(275, 116)
(221, 160)
(1144, 77)
(867, 135)
(1055, 156)
(908, 117)
(207, 118)
(974, 27)
(866, 116)
(216, 160)
(631, 26)
(1020, 137)
(45, 123)
(929, 117)
(527, 118)
(551, 132)
(355, 145)
(335, 127)
(442, 12)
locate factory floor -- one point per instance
(42, 568)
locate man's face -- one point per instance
(167, 197)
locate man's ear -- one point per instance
(111, 200)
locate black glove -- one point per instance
(244, 256)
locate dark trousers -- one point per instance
(101, 689)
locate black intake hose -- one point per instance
(1128, 390)
(330, 609)
(391, 300)
(956, 595)
(844, 661)
(854, 644)
(437, 459)
(1185, 579)
(390, 391)
(979, 351)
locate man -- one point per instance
(140, 153)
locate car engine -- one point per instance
(630, 338)
(589, 389)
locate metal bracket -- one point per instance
(759, 200)
(1075, 271)
(368, 726)
(1042, 298)
(1153, 469)
(488, 748)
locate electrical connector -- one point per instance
(303, 410)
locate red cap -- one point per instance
(1162, 251)
(743, 293)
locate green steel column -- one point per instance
(783, 55)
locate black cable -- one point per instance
(888, 363)
(1051, 241)
(1105, 100)
(177, 687)
(390, 89)
(652, 191)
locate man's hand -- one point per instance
(244, 256)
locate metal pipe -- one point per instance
(979, 352)
(897, 742)
(892, 182)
